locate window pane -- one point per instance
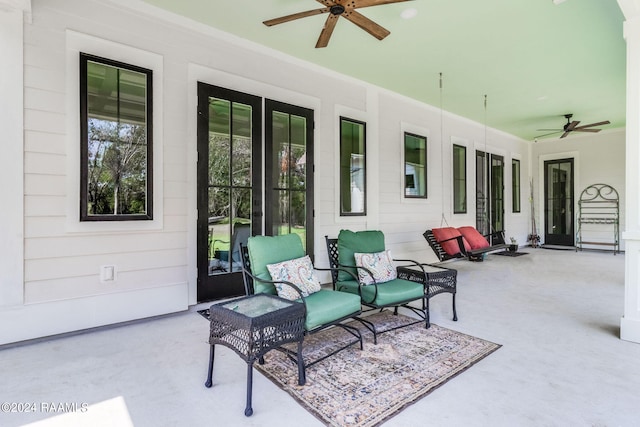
(459, 179)
(352, 168)
(116, 135)
(415, 166)
(515, 184)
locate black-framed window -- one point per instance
(116, 124)
(515, 185)
(459, 179)
(415, 166)
(353, 177)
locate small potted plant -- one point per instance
(513, 247)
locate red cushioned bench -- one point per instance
(449, 243)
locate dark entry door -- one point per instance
(289, 171)
(558, 202)
(229, 187)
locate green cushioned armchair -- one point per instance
(395, 293)
(323, 309)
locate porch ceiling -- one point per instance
(535, 60)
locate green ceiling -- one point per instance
(535, 60)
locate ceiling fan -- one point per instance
(572, 126)
(336, 9)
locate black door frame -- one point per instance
(568, 238)
(211, 287)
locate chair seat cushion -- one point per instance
(327, 306)
(445, 236)
(473, 237)
(389, 293)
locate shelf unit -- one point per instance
(599, 213)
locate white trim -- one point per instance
(76, 43)
(57, 317)
(12, 158)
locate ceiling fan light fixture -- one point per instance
(409, 13)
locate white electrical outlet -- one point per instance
(108, 273)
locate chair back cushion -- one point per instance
(350, 242)
(446, 237)
(473, 237)
(264, 250)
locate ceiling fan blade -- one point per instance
(367, 3)
(547, 134)
(367, 24)
(295, 16)
(586, 130)
(606, 122)
(326, 32)
(329, 3)
(542, 130)
(565, 134)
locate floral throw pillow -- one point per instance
(379, 264)
(298, 271)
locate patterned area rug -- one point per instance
(365, 388)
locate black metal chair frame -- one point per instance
(471, 255)
(249, 278)
(332, 252)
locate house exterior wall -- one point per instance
(598, 159)
(61, 291)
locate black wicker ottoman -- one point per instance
(438, 280)
(254, 325)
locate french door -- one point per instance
(230, 195)
(558, 202)
(229, 187)
(489, 193)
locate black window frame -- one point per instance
(364, 167)
(463, 210)
(426, 167)
(516, 186)
(84, 141)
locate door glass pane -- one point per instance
(219, 142)
(241, 147)
(298, 153)
(559, 200)
(497, 193)
(230, 133)
(515, 184)
(289, 171)
(482, 190)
